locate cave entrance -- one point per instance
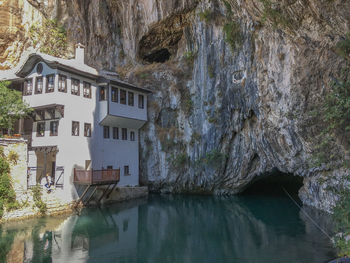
(158, 56)
(272, 184)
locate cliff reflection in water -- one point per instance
(172, 229)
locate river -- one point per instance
(173, 228)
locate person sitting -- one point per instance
(48, 183)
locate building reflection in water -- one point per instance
(92, 236)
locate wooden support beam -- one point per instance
(107, 196)
(92, 194)
(84, 193)
(104, 192)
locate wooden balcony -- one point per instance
(96, 177)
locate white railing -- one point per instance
(36, 174)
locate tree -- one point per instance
(12, 106)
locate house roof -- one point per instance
(112, 78)
(30, 59)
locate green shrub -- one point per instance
(343, 47)
(341, 219)
(211, 71)
(148, 144)
(12, 107)
(2, 152)
(233, 35)
(334, 114)
(189, 57)
(167, 144)
(213, 120)
(232, 30)
(13, 157)
(143, 75)
(186, 101)
(275, 15)
(38, 202)
(195, 137)
(206, 15)
(7, 194)
(214, 158)
(168, 137)
(228, 8)
(52, 37)
(179, 161)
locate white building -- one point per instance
(83, 120)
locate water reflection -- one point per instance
(172, 229)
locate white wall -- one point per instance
(117, 153)
(124, 110)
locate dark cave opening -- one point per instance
(273, 184)
(158, 56)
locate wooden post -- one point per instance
(21, 126)
(45, 164)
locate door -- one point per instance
(53, 172)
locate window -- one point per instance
(130, 98)
(103, 93)
(115, 133)
(76, 87)
(62, 83)
(114, 94)
(87, 129)
(124, 134)
(50, 83)
(39, 68)
(41, 114)
(106, 132)
(28, 87)
(51, 112)
(40, 129)
(132, 136)
(126, 170)
(141, 102)
(75, 128)
(39, 85)
(53, 128)
(87, 90)
(122, 96)
(109, 167)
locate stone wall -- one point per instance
(54, 202)
(18, 168)
(126, 193)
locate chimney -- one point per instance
(79, 53)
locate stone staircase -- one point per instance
(55, 204)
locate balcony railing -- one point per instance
(94, 177)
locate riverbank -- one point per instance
(55, 205)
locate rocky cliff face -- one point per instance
(233, 82)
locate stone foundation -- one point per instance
(30, 212)
(126, 193)
(55, 205)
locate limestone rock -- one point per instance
(233, 83)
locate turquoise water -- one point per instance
(172, 228)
